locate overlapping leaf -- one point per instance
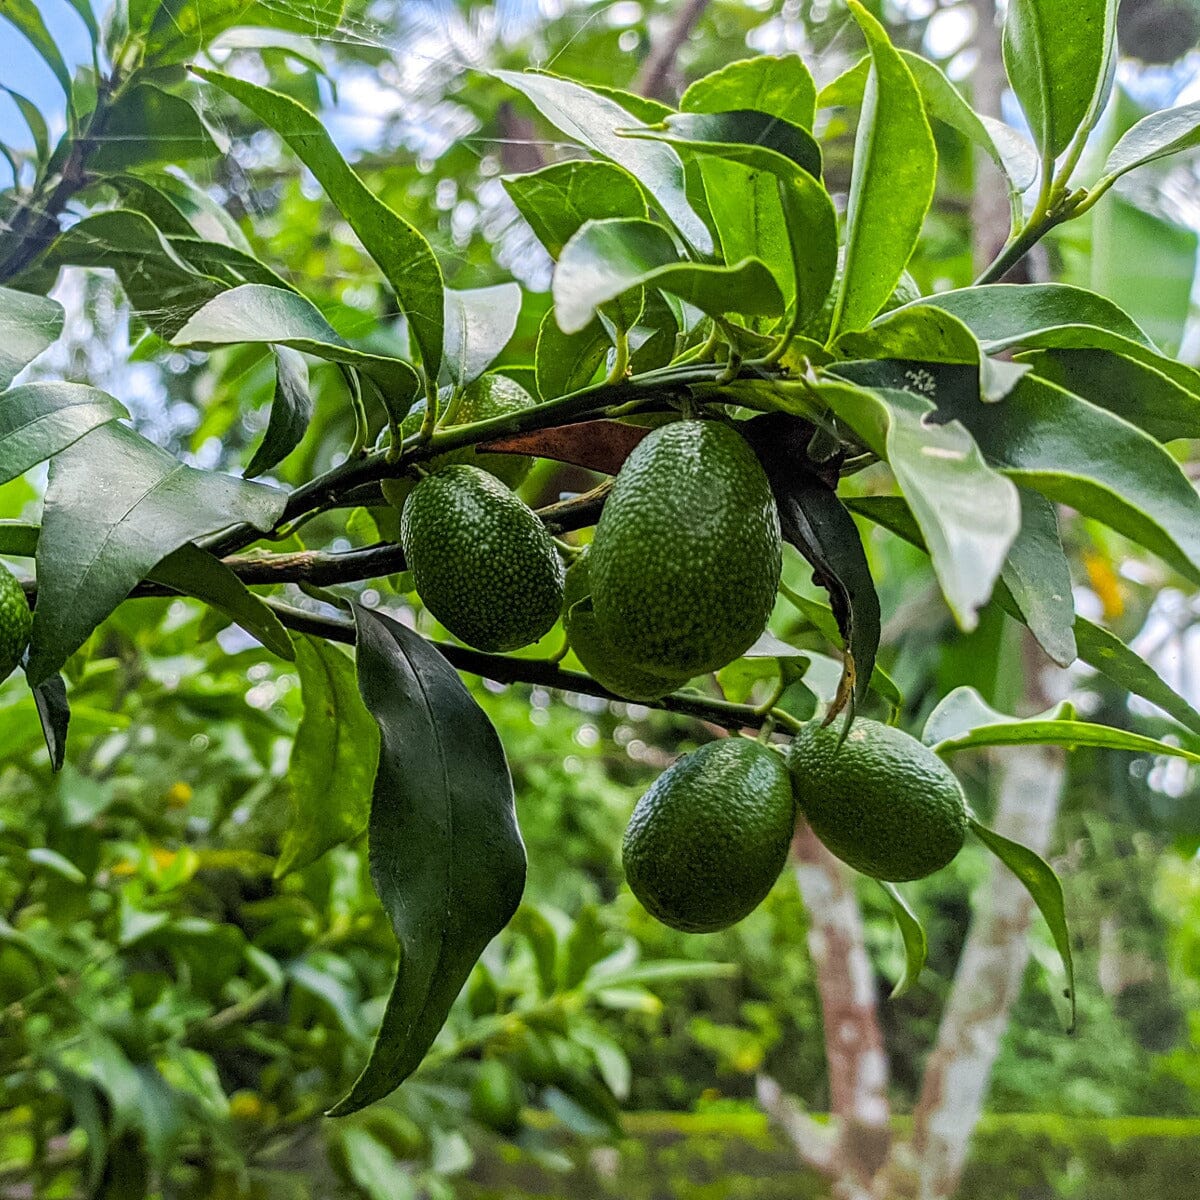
(479, 322)
(28, 325)
(38, 420)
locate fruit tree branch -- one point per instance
(652, 78)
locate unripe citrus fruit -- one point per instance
(686, 559)
(706, 843)
(496, 1096)
(592, 649)
(882, 802)
(482, 562)
(16, 621)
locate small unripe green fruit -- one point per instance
(497, 1096)
(16, 623)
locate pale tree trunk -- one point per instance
(990, 213)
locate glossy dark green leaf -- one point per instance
(1156, 136)
(255, 313)
(1133, 390)
(332, 767)
(814, 520)
(291, 411)
(558, 199)
(147, 126)
(968, 513)
(1043, 886)
(1056, 53)
(32, 117)
(891, 184)
(593, 120)
(54, 714)
(179, 207)
(446, 855)
(37, 420)
(400, 250)
(608, 258)
(28, 325)
(1038, 578)
(195, 572)
(916, 947)
(781, 86)
(1101, 650)
(1077, 454)
(26, 17)
(479, 323)
(106, 526)
(565, 362)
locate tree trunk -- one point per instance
(990, 212)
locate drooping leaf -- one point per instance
(37, 420)
(1056, 53)
(781, 86)
(399, 249)
(54, 713)
(479, 323)
(592, 120)
(194, 572)
(28, 325)
(1156, 136)
(291, 411)
(332, 767)
(102, 533)
(601, 445)
(558, 199)
(446, 855)
(892, 181)
(565, 362)
(607, 258)
(179, 207)
(147, 126)
(814, 520)
(916, 947)
(1077, 454)
(255, 313)
(1043, 886)
(968, 513)
(26, 17)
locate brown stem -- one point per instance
(656, 70)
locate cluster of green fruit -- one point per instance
(679, 580)
(16, 622)
(706, 843)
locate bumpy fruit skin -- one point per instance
(882, 802)
(483, 398)
(16, 622)
(592, 649)
(496, 1097)
(686, 558)
(706, 843)
(481, 560)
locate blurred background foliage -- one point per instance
(174, 1018)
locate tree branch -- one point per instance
(652, 79)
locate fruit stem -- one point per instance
(620, 363)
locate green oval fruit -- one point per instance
(592, 649)
(497, 1096)
(882, 801)
(16, 623)
(481, 560)
(706, 843)
(486, 397)
(686, 559)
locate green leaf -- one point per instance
(1056, 53)
(19, 539)
(27, 19)
(592, 120)
(964, 711)
(968, 513)
(916, 947)
(1154, 137)
(479, 323)
(565, 362)
(28, 325)
(332, 767)
(147, 126)
(38, 420)
(446, 855)
(54, 714)
(373, 1167)
(781, 86)
(400, 250)
(891, 185)
(33, 118)
(607, 258)
(1077, 454)
(559, 198)
(1101, 650)
(1038, 578)
(179, 207)
(291, 411)
(1043, 886)
(181, 28)
(194, 572)
(116, 505)
(257, 314)
(1133, 390)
